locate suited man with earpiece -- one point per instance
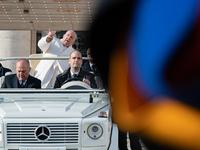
(75, 69)
(89, 65)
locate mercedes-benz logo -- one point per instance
(42, 132)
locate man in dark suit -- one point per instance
(75, 71)
(89, 65)
(21, 79)
(3, 70)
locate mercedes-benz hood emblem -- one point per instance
(42, 132)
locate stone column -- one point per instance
(14, 44)
(33, 42)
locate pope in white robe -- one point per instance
(47, 70)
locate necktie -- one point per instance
(22, 85)
(75, 75)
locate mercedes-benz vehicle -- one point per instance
(73, 117)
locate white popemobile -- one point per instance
(74, 117)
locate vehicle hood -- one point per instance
(44, 108)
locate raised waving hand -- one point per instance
(50, 36)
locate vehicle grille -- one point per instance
(25, 133)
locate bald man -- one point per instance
(22, 78)
(75, 71)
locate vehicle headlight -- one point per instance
(95, 131)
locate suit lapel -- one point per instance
(81, 73)
(15, 81)
(88, 66)
(27, 82)
(66, 75)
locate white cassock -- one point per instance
(47, 70)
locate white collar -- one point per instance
(90, 65)
(20, 82)
(74, 73)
